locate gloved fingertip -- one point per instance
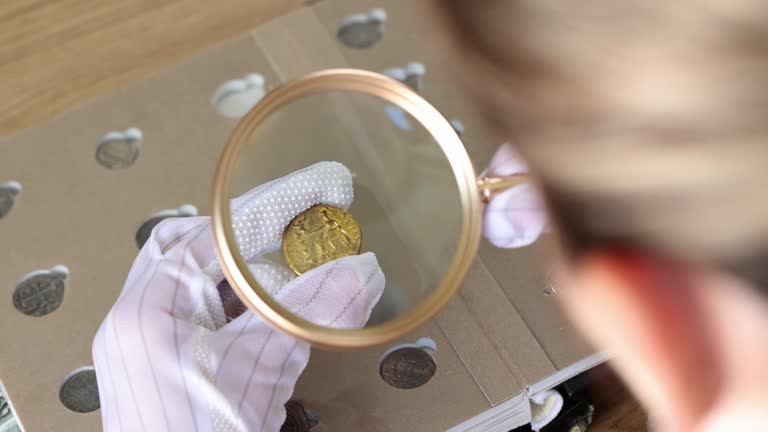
(270, 275)
(259, 216)
(339, 294)
(515, 218)
(506, 161)
(367, 265)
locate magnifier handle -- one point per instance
(491, 185)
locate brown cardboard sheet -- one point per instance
(297, 45)
(502, 325)
(344, 389)
(409, 37)
(478, 352)
(498, 336)
(75, 212)
(521, 275)
(72, 211)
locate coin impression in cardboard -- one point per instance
(234, 98)
(362, 30)
(409, 366)
(40, 292)
(145, 230)
(411, 75)
(9, 191)
(80, 392)
(398, 117)
(119, 149)
(458, 126)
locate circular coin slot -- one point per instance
(80, 392)
(119, 149)
(363, 30)
(9, 191)
(409, 366)
(234, 98)
(145, 230)
(40, 292)
(411, 75)
(458, 126)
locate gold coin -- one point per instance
(319, 235)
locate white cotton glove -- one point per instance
(165, 357)
(516, 217)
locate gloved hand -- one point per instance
(515, 217)
(165, 358)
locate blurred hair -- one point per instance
(645, 121)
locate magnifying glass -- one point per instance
(417, 199)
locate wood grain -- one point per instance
(616, 409)
(55, 55)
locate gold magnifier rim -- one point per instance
(234, 266)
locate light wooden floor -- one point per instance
(55, 55)
(616, 410)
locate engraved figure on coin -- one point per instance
(318, 235)
(334, 234)
(323, 235)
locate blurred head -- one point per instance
(646, 123)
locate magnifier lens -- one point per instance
(345, 190)
(401, 201)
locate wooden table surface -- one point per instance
(55, 55)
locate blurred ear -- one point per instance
(647, 313)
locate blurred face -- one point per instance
(691, 342)
(626, 112)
